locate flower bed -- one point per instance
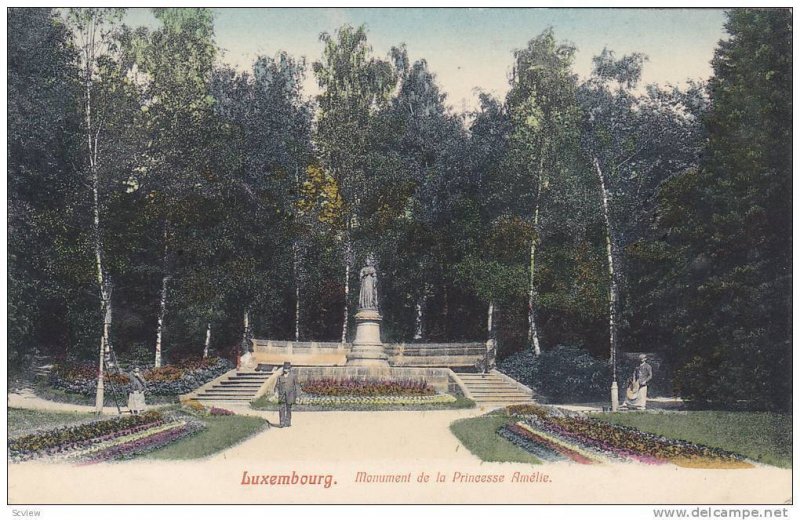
(357, 388)
(144, 442)
(552, 431)
(542, 446)
(375, 400)
(170, 380)
(72, 437)
(104, 440)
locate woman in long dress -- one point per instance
(136, 402)
(636, 393)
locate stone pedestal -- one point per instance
(367, 348)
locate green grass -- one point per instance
(479, 435)
(761, 436)
(21, 421)
(220, 433)
(262, 403)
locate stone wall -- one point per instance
(320, 353)
(315, 353)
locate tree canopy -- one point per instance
(198, 201)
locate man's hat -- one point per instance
(287, 364)
(642, 357)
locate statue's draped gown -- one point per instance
(367, 299)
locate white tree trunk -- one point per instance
(163, 303)
(296, 270)
(208, 341)
(246, 331)
(533, 333)
(347, 261)
(161, 313)
(612, 288)
(105, 308)
(489, 318)
(92, 149)
(105, 300)
(418, 321)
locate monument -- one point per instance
(367, 357)
(367, 346)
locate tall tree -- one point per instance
(178, 59)
(46, 194)
(543, 111)
(354, 86)
(730, 221)
(262, 164)
(93, 29)
(633, 142)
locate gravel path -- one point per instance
(346, 449)
(28, 400)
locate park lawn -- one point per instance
(22, 421)
(221, 433)
(761, 436)
(479, 436)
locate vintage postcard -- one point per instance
(400, 256)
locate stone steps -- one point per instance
(240, 387)
(493, 389)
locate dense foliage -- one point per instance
(166, 204)
(563, 374)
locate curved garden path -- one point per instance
(30, 401)
(343, 444)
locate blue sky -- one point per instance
(471, 49)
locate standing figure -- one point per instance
(287, 390)
(368, 297)
(636, 393)
(136, 403)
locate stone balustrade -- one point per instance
(322, 353)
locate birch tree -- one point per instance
(93, 30)
(633, 142)
(354, 86)
(542, 108)
(177, 59)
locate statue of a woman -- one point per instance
(368, 297)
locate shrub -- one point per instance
(563, 374)
(220, 411)
(167, 373)
(195, 406)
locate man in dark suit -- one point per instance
(287, 393)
